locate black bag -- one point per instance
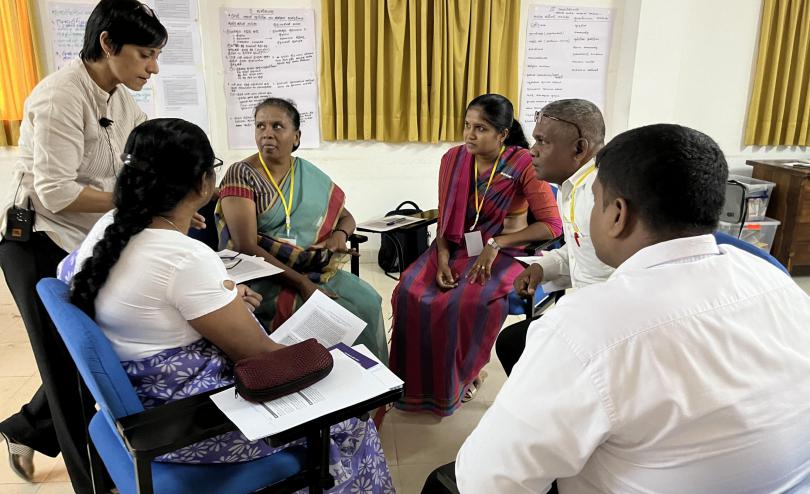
(402, 246)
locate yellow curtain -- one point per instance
(20, 69)
(779, 110)
(404, 70)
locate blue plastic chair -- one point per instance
(127, 437)
(725, 238)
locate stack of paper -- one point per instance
(349, 383)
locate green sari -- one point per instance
(317, 204)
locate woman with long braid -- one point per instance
(169, 307)
(74, 126)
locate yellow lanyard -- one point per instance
(479, 206)
(574, 199)
(287, 203)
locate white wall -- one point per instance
(683, 61)
(694, 65)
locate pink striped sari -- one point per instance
(442, 339)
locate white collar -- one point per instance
(670, 251)
(582, 170)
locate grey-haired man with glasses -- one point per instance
(568, 133)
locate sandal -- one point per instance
(472, 389)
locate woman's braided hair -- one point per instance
(168, 158)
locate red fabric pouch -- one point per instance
(269, 376)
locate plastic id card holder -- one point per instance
(289, 240)
(474, 243)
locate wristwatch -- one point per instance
(492, 243)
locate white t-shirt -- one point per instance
(162, 280)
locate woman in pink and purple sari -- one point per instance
(452, 301)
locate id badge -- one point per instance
(474, 243)
(287, 240)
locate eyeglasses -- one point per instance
(539, 114)
(146, 9)
(230, 262)
(145, 166)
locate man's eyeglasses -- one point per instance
(539, 114)
(230, 262)
(217, 163)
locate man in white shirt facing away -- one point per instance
(567, 135)
(688, 370)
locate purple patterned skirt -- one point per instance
(356, 458)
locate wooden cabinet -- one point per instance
(790, 204)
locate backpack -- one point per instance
(402, 246)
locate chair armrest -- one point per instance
(356, 239)
(338, 416)
(533, 247)
(354, 242)
(172, 426)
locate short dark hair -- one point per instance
(287, 106)
(126, 22)
(499, 112)
(673, 177)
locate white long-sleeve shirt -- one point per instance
(63, 149)
(575, 264)
(687, 371)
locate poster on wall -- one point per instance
(269, 52)
(178, 91)
(566, 57)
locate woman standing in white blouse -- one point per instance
(74, 127)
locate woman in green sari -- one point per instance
(289, 212)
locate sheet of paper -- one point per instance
(269, 52)
(528, 259)
(388, 223)
(67, 21)
(323, 319)
(346, 385)
(242, 267)
(566, 57)
(181, 83)
(179, 89)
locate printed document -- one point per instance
(242, 267)
(349, 383)
(323, 319)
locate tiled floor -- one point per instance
(414, 444)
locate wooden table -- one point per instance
(790, 204)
